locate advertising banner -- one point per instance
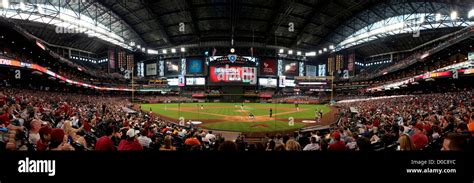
(267, 82)
(290, 68)
(151, 69)
(311, 70)
(282, 81)
(195, 66)
(172, 67)
(268, 67)
(181, 81)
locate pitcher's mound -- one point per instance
(259, 125)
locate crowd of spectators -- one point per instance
(299, 99)
(426, 122)
(165, 99)
(414, 122)
(41, 121)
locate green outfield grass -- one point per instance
(229, 116)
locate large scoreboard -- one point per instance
(233, 75)
(232, 70)
(227, 70)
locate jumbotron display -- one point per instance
(290, 68)
(173, 67)
(233, 74)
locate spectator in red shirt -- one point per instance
(45, 137)
(192, 141)
(86, 126)
(419, 138)
(376, 122)
(131, 143)
(338, 145)
(4, 117)
(105, 143)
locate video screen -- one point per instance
(268, 67)
(195, 81)
(290, 68)
(151, 69)
(290, 83)
(172, 67)
(311, 70)
(233, 74)
(173, 82)
(267, 82)
(194, 66)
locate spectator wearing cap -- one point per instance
(131, 143)
(59, 141)
(419, 138)
(105, 142)
(45, 138)
(337, 145)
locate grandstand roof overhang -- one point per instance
(72, 23)
(318, 24)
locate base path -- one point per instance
(328, 118)
(243, 118)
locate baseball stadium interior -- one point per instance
(236, 75)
